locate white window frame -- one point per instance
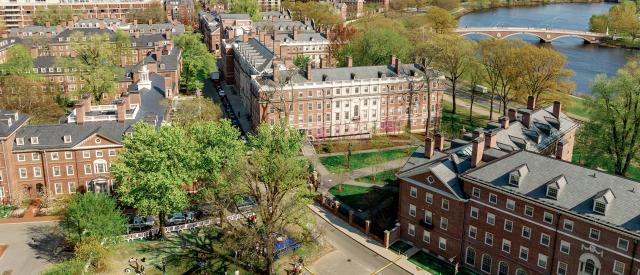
(565, 244)
(37, 172)
(617, 263)
(22, 158)
(411, 230)
(413, 192)
(442, 241)
(522, 248)
(526, 229)
(73, 170)
(510, 204)
(565, 268)
(592, 231)
(86, 154)
(475, 192)
(75, 187)
(505, 225)
(488, 236)
(474, 230)
(546, 216)
(412, 210)
(112, 152)
(428, 213)
(68, 155)
(526, 208)
(19, 141)
(625, 247)
(22, 175)
(55, 156)
(445, 204)
(491, 219)
(56, 186)
(54, 169)
(542, 235)
(426, 236)
(508, 243)
(543, 257)
(474, 212)
(90, 169)
(99, 154)
(568, 223)
(444, 223)
(35, 156)
(428, 198)
(493, 198)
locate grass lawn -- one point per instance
(400, 247)
(5, 210)
(381, 178)
(337, 164)
(377, 142)
(578, 106)
(436, 266)
(359, 197)
(453, 123)
(633, 172)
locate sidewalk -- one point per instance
(372, 245)
(238, 108)
(29, 216)
(366, 151)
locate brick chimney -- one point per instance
(79, 107)
(526, 119)
(349, 61)
(477, 150)
(158, 54)
(477, 133)
(134, 98)
(490, 139)
(531, 102)
(396, 66)
(512, 114)
(276, 48)
(167, 34)
(276, 70)
(86, 102)
(428, 148)
(168, 87)
(121, 110)
(125, 98)
(308, 71)
(561, 151)
(393, 59)
(504, 122)
(439, 142)
(557, 108)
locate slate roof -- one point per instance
(8, 42)
(361, 72)
(237, 16)
(147, 40)
(13, 32)
(304, 36)
(87, 31)
(255, 53)
(283, 25)
(582, 186)
(10, 121)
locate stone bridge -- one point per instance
(546, 35)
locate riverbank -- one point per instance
(477, 6)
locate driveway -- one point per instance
(23, 256)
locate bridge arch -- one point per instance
(478, 33)
(526, 33)
(585, 39)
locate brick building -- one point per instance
(75, 155)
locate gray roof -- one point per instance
(8, 42)
(269, 15)
(577, 195)
(148, 40)
(256, 53)
(362, 72)
(237, 16)
(87, 31)
(304, 36)
(283, 25)
(32, 29)
(10, 121)
(176, 28)
(52, 136)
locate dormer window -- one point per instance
(20, 141)
(34, 140)
(599, 207)
(602, 200)
(554, 186)
(67, 139)
(552, 192)
(515, 177)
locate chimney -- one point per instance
(439, 142)
(158, 53)
(134, 98)
(393, 60)
(526, 119)
(86, 102)
(150, 21)
(48, 24)
(504, 122)
(477, 151)
(397, 66)
(309, 71)
(79, 111)
(168, 87)
(121, 110)
(477, 133)
(136, 34)
(512, 114)
(557, 108)
(490, 139)
(428, 148)
(276, 70)
(135, 22)
(167, 34)
(276, 48)
(531, 102)
(349, 61)
(561, 148)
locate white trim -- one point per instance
(434, 190)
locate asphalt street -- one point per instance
(23, 254)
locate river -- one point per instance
(586, 60)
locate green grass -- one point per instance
(380, 178)
(453, 123)
(633, 172)
(5, 210)
(338, 164)
(436, 266)
(578, 106)
(359, 197)
(400, 247)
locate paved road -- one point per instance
(24, 257)
(349, 256)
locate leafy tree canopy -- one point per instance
(93, 216)
(374, 46)
(250, 7)
(197, 61)
(52, 14)
(154, 12)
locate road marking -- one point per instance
(387, 265)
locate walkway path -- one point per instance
(477, 109)
(366, 151)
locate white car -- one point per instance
(221, 93)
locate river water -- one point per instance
(586, 60)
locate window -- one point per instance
(545, 239)
(20, 141)
(514, 179)
(99, 153)
(486, 263)
(429, 179)
(100, 166)
(86, 154)
(528, 211)
(444, 223)
(473, 232)
(56, 171)
(442, 243)
(412, 210)
(470, 257)
(112, 152)
(488, 239)
(445, 204)
(524, 253)
(34, 140)
(72, 187)
(508, 225)
(70, 170)
(37, 172)
(476, 192)
(67, 139)
(542, 260)
(565, 247)
(599, 207)
(594, 234)
(526, 232)
(618, 268)
(493, 198)
(55, 156)
(562, 268)
(412, 230)
(58, 188)
(520, 272)
(548, 217)
(35, 156)
(568, 225)
(68, 155)
(428, 198)
(87, 169)
(552, 192)
(503, 268)
(474, 212)
(23, 173)
(506, 246)
(426, 236)
(413, 192)
(21, 157)
(491, 219)
(428, 217)
(623, 244)
(511, 204)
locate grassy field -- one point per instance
(436, 266)
(380, 178)
(359, 197)
(338, 164)
(578, 106)
(453, 123)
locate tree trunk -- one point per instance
(428, 123)
(473, 96)
(453, 94)
(491, 95)
(161, 221)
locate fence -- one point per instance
(168, 229)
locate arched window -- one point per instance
(503, 268)
(471, 256)
(590, 267)
(486, 263)
(100, 166)
(521, 272)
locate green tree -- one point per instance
(154, 12)
(154, 170)
(197, 61)
(614, 125)
(446, 4)
(599, 23)
(499, 68)
(250, 7)
(324, 14)
(301, 61)
(623, 19)
(94, 61)
(193, 110)
(19, 62)
(440, 20)
(374, 46)
(52, 14)
(93, 216)
(456, 55)
(543, 71)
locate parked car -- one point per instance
(221, 93)
(180, 218)
(480, 89)
(139, 222)
(245, 203)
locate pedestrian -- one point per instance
(131, 260)
(143, 259)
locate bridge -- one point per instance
(546, 35)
